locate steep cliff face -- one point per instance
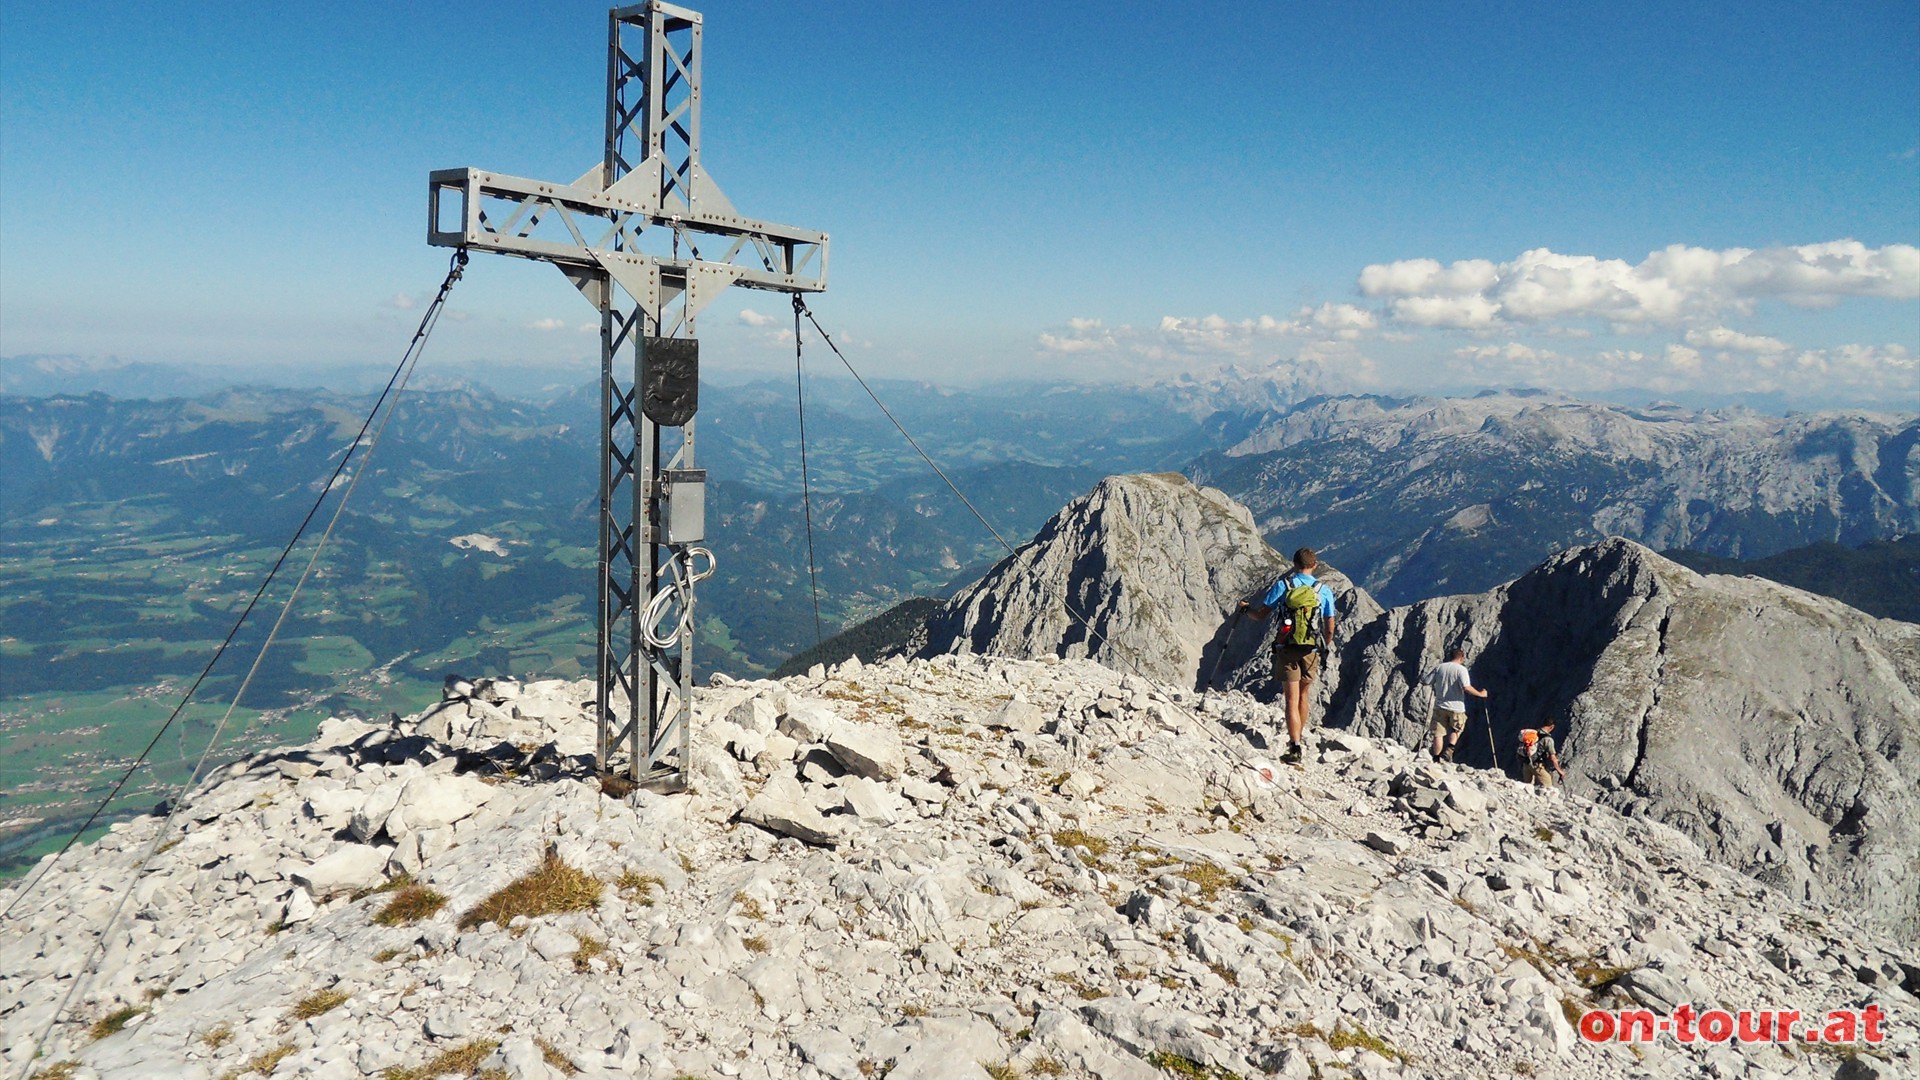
(1773, 726)
(1142, 572)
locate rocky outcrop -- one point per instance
(1773, 726)
(1115, 893)
(1143, 574)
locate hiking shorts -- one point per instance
(1296, 663)
(1542, 775)
(1446, 722)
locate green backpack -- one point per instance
(1299, 604)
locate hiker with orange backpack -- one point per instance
(1539, 760)
(1302, 641)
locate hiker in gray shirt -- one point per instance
(1450, 684)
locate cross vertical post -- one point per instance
(630, 234)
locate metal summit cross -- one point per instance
(647, 224)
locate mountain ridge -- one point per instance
(1423, 496)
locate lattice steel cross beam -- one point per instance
(650, 224)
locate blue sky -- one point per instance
(1363, 196)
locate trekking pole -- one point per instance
(1232, 625)
(1486, 710)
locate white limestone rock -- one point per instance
(867, 750)
(299, 907)
(783, 807)
(807, 721)
(371, 815)
(1017, 714)
(759, 713)
(347, 868)
(436, 801)
(1387, 843)
(331, 806)
(872, 802)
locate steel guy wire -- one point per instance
(801, 307)
(453, 274)
(395, 387)
(806, 485)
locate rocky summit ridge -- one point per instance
(1772, 725)
(961, 866)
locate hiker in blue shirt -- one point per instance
(1304, 637)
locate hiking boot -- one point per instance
(1447, 755)
(1292, 756)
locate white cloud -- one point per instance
(1447, 312)
(1413, 277)
(547, 324)
(1519, 364)
(1890, 366)
(1682, 359)
(1342, 320)
(1823, 274)
(750, 317)
(1552, 320)
(1212, 336)
(402, 302)
(1315, 351)
(1674, 286)
(1082, 336)
(1721, 337)
(1725, 363)
(1511, 351)
(1055, 343)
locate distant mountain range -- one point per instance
(1426, 496)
